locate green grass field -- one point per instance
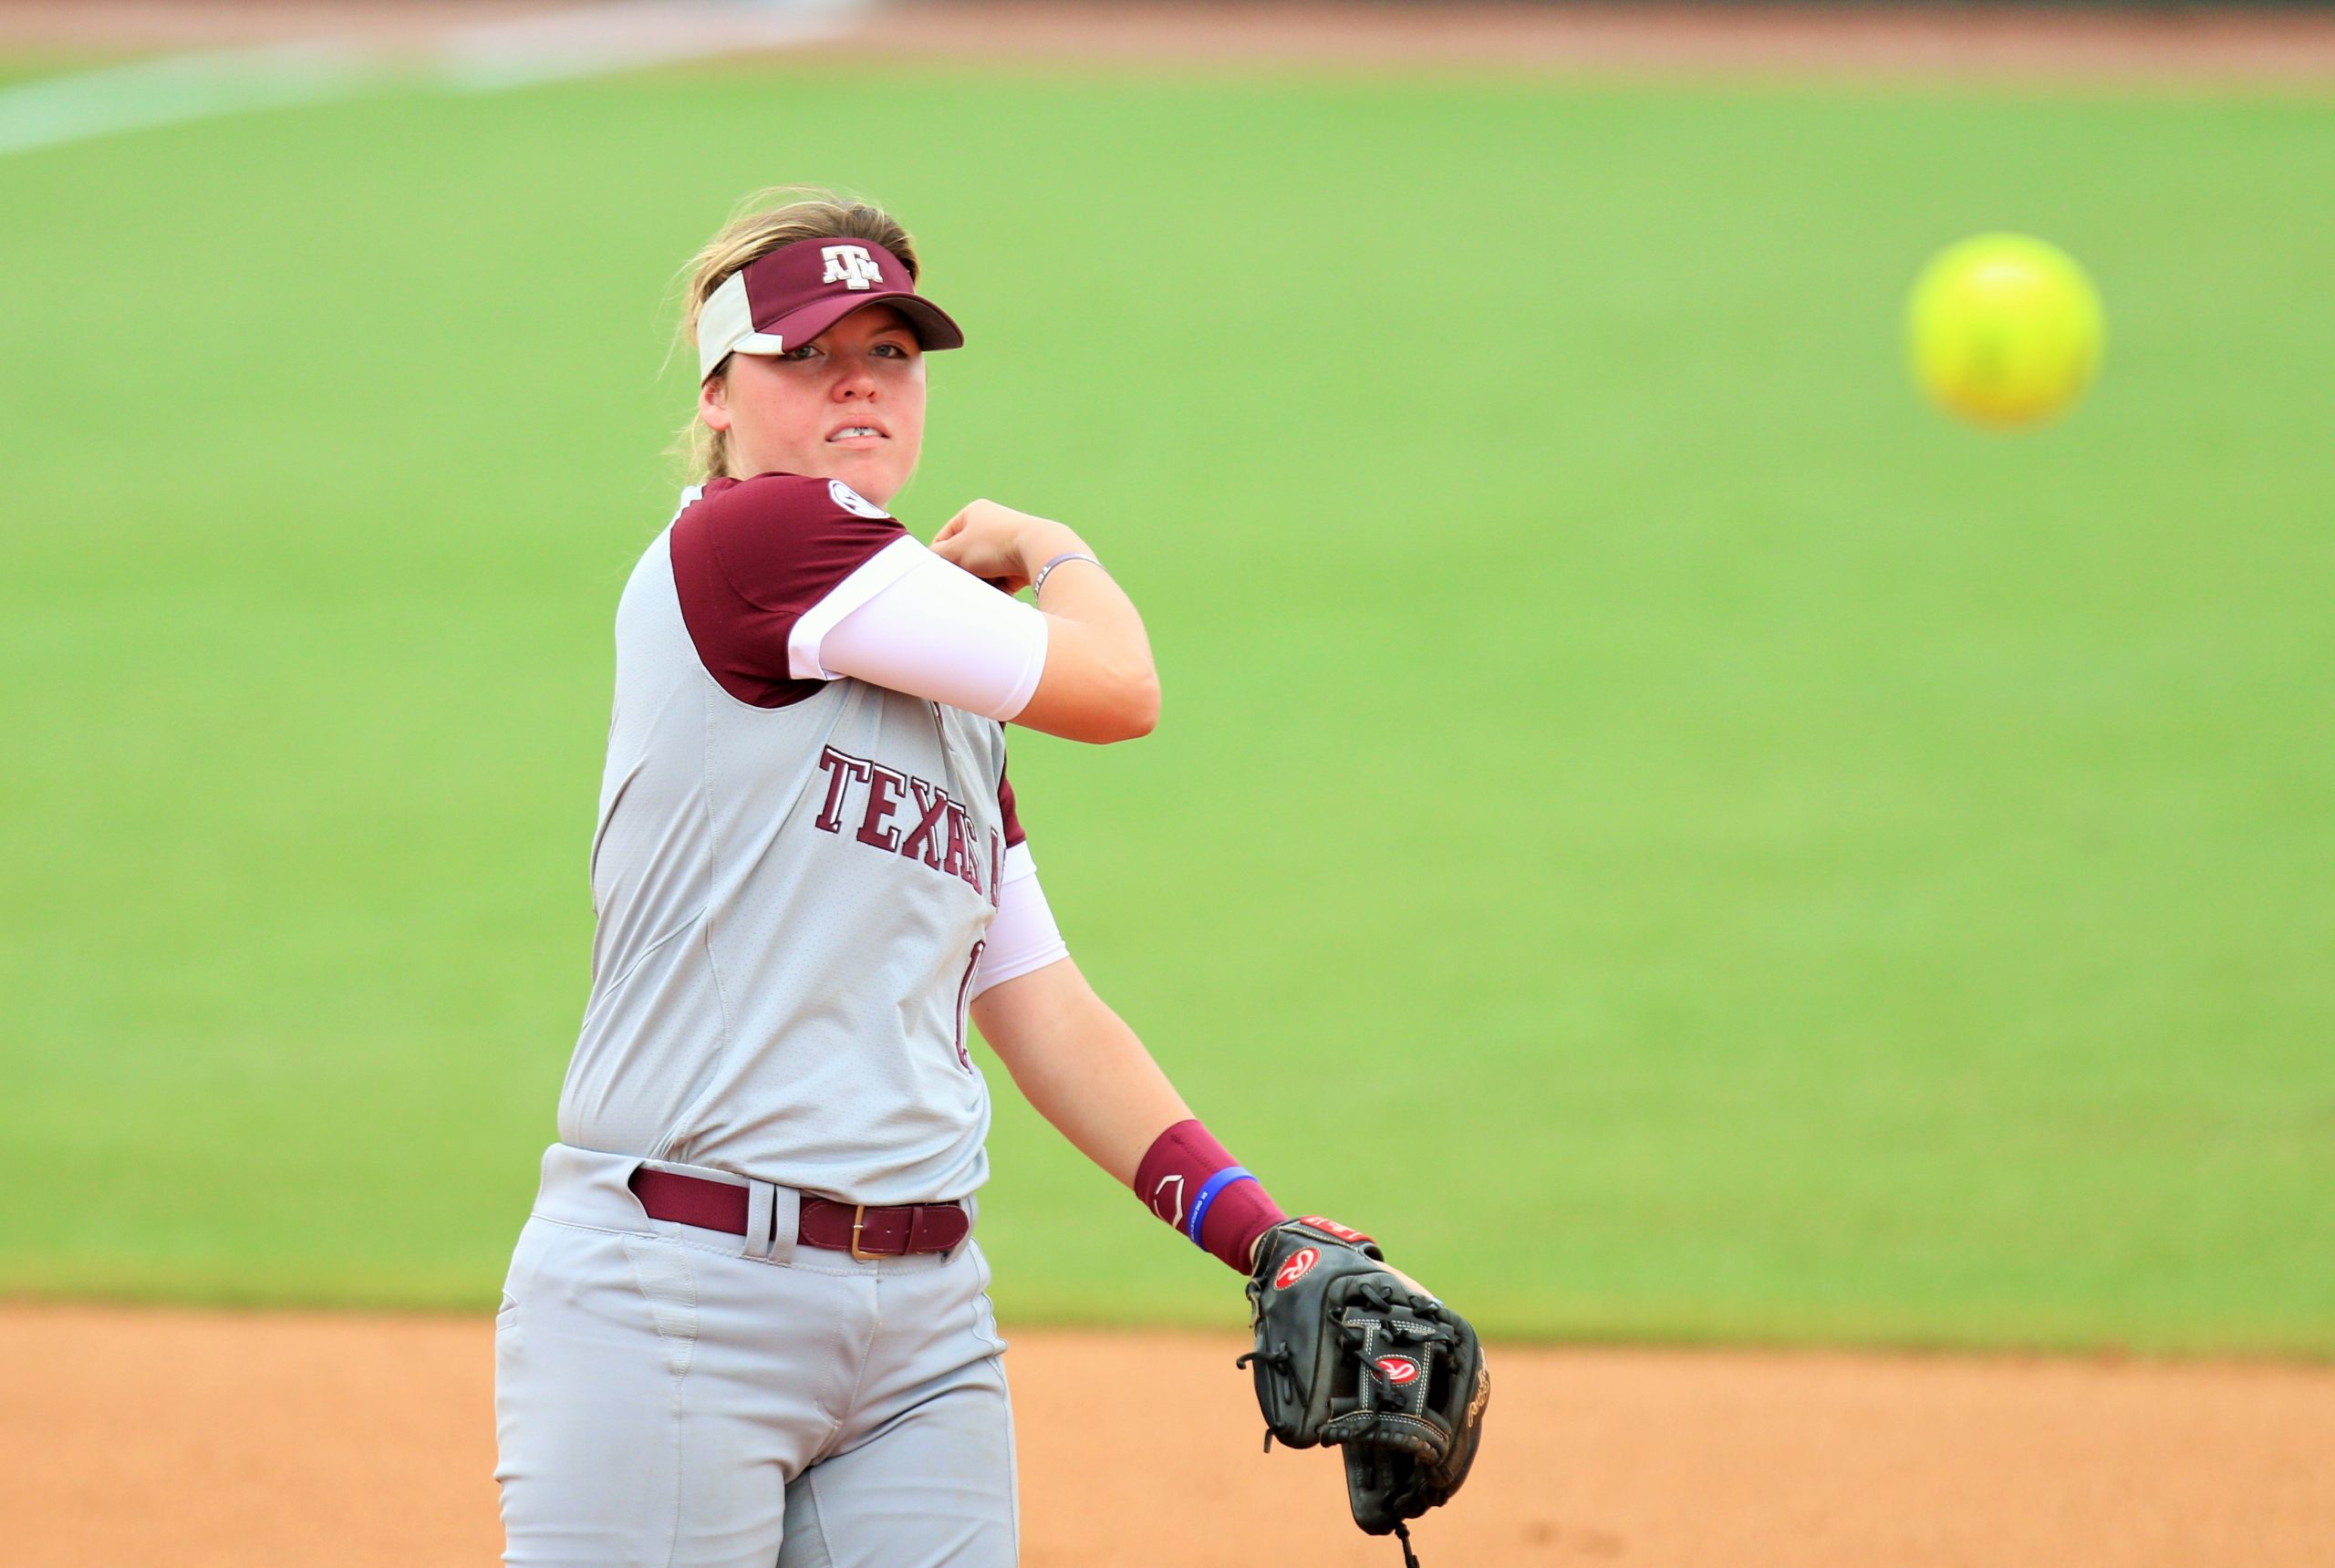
(1678, 839)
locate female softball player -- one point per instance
(746, 1321)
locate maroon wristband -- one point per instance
(1186, 1169)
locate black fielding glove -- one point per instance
(1351, 1351)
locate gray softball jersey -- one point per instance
(791, 878)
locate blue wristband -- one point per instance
(1209, 1189)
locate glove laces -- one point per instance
(1403, 1534)
(1283, 1365)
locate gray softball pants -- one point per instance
(665, 1395)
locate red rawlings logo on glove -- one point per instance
(1398, 1369)
(1300, 1263)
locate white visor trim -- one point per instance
(725, 323)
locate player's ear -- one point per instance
(714, 401)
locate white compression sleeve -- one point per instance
(1023, 937)
(909, 621)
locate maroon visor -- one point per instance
(787, 298)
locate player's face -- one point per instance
(848, 405)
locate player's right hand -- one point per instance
(1002, 544)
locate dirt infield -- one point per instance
(2206, 43)
(1761, 40)
(200, 1439)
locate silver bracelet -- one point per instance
(1038, 583)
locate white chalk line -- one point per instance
(559, 46)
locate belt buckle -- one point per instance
(860, 1223)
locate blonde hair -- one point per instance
(763, 223)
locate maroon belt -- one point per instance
(852, 1228)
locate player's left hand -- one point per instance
(1352, 1352)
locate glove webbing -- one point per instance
(1385, 1301)
(1279, 1359)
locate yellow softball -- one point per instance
(2005, 329)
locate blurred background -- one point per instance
(1673, 834)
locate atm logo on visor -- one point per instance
(850, 265)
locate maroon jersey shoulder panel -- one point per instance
(749, 558)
